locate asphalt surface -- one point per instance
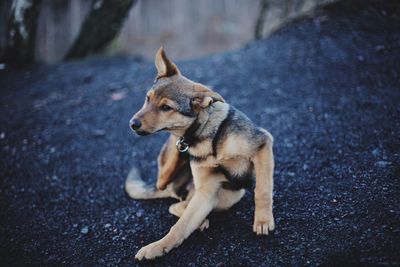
(326, 87)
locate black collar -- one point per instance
(189, 138)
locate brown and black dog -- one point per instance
(213, 153)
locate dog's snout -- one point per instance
(135, 124)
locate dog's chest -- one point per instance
(206, 154)
(202, 149)
(235, 166)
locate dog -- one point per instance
(213, 154)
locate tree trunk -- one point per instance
(22, 24)
(259, 30)
(100, 27)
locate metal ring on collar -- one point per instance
(181, 145)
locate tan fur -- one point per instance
(236, 152)
(264, 167)
(236, 146)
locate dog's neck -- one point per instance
(206, 123)
(194, 131)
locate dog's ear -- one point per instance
(165, 67)
(202, 101)
(204, 97)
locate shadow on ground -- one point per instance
(327, 88)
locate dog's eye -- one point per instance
(165, 108)
(147, 98)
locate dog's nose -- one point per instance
(135, 124)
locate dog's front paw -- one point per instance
(152, 251)
(263, 224)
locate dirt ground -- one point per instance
(327, 88)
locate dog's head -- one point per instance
(173, 103)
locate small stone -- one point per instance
(117, 96)
(85, 230)
(382, 163)
(379, 48)
(107, 225)
(139, 214)
(75, 225)
(275, 80)
(305, 167)
(52, 150)
(99, 132)
(2, 135)
(360, 58)
(375, 152)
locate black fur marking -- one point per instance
(230, 186)
(221, 130)
(199, 159)
(235, 182)
(182, 191)
(187, 110)
(189, 135)
(187, 114)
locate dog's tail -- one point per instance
(139, 189)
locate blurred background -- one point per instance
(50, 31)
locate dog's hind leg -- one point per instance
(170, 162)
(177, 209)
(228, 198)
